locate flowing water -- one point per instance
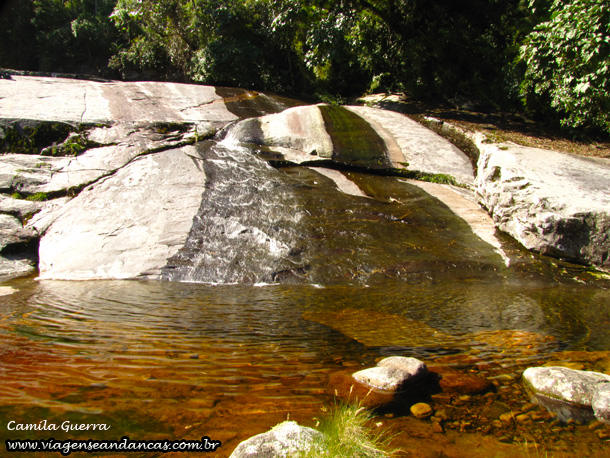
(285, 280)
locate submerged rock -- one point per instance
(567, 392)
(344, 386)
(463, 383)
(373, 328)
(285, 439)
(421, 410)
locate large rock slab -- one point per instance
(71, 100)
(128, 224)
(424, 150)
(552, 203)
(317, 133)
(284, 440)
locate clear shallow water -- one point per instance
(176, 360)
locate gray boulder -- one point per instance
(415, 368)
(392, 374)
(567, 392)
(281, 441)
(382, 378)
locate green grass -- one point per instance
(348, 431)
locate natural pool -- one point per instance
(283, 282)
(174, 360)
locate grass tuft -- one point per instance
(348, 431)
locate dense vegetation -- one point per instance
(549, 57)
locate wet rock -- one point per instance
(507, 418)
(383, 378)
(343, 386)
(567, 392)
(601, 403)
(299, 133)
(463, 383)
(421, 410)
(495, 410)
(412, 366)
(285, 439)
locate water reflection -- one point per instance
(152, 358)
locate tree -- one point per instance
(567, 60)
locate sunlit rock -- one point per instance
(567, 392)
(412, 366)
(299, 129)
(560, 210)
(421, 410)
(128, 225)
(284, 440)
(383, 378)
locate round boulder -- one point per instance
(414, 367)
(383, 378)
(568, 392)
(561, 383)
(285, 439)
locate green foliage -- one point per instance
(567, 61)
(444, 50)
(38, 197)
(348, 431)
(53, 35)
(32, 137)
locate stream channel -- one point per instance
(285, 280)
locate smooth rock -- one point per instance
(572, 386)
(567, 392)
(601, 403)
(414, 367)
(421, 148)
(127, 225)
(421, 410)
(343, 386)
(383, 378)
(285, 439)
(507, 418)
(298, 132)
(71, 100)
